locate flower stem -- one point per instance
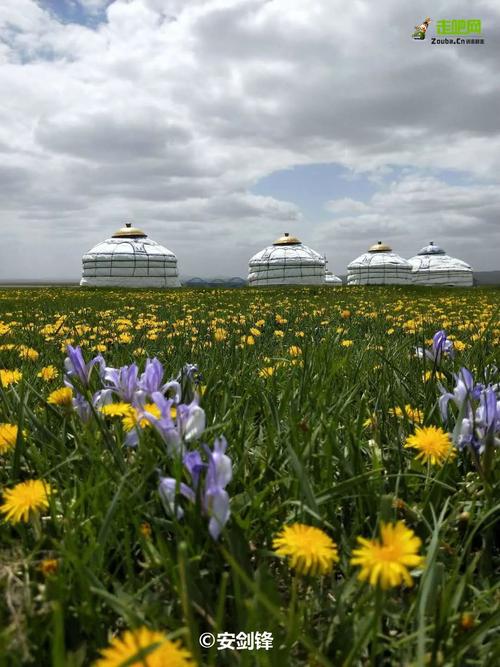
(377, 623)
(292, 610)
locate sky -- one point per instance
(217, 125)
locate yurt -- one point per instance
(129, 259)
(379, 266)
(286, 262)
(332, 280)
(432, 266)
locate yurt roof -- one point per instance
(432, 249)
(380, 247)
(287, 253)
(130, 232)
(286, 239)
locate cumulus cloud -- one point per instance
(169, 112)
(414, 210)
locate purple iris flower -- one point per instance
(466, 435)
(165, 425)
(488, 413)
(189, 423)
(190, 372)
(75, 365)
(191, 420)
(151, 381)
(478, 419)
(214, 497)
(82, 407)
(168, 488)
(122, 381)
(440, 346)
(194, 465)
(464, 392)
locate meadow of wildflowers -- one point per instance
(316, 464)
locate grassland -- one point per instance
(316, 392)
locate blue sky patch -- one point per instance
(311, 186)
(72, 11)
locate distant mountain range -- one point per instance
(487, 277)
(480, 278)
(214, 282)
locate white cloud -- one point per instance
(171, 110)
(414, 210)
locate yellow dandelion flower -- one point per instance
(434, 445)
(279, 334)
(345, 314)
(48, 373)
(347, 343)
(266, 372)
(145, 529)
(28, 353)
(412, 414)
(62, 397)
(429, 375)
(466, 621)
(133, 418)
(8, 437)
(116, 409)
(309, 549)
(371, 422)
(220, 334)
(255, 332)
(248, 340)
(49, 566)
(144, 648)
(8, 377)
(386, 561)
(294, 351)
(24, 498)
(260, 323)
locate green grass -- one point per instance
(301, 452)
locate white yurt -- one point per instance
(287, 262)
(332, 280)
(129, 259)
(432, 266)
(379, 266)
